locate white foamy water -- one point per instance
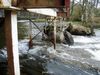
(95, 53)
(23, 46)
(83, 58)
(82, 39)
(83, 44)
(90, 44)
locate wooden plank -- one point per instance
(12, 42)
(30, 35)
(55, 21)
(39, 3)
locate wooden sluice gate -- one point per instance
(10, 8)
(53, 30)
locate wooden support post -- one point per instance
(55, 33)
(12, 42)
(30, 35)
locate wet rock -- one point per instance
(61, 36)
(79, 30)
(3, 56)
(3, 63)
(68, 38)
(33, 66)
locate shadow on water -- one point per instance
(37, 65)
(40, 66)
(3, 63)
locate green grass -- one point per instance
(96, 22)
(39, 20)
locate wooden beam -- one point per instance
(30, 35)
(12, 42)
(55, 21)
(40, 3)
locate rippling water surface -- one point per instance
(83, 58)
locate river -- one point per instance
(83, 58)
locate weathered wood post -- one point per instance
(30, 35)
(54, 32)
(12, 42)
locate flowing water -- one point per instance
(83, 58)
